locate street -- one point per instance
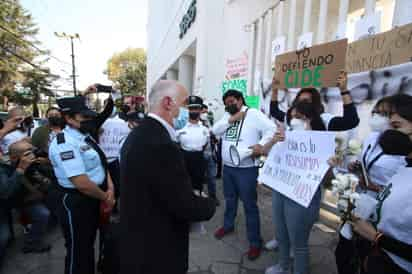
(207, 255)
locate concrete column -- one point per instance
(279, 23)
(171, 74)
(307, 16)
(292, 25)
(323, 12)
(268, 46)
(186, 70)
(402, 14)
(370, 7)
(343, 11)
(251, 56)
(259, 48)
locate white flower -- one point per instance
(343, 205)
(354, 147)
(343, 179)
(354, 197)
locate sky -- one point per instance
(105, 27)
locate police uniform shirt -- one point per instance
(75, 157)
(193, 137)
(380, 167)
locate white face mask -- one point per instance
(298, 124)
(203, 116)
(379, 123)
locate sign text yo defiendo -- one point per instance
(317, 66)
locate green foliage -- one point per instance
(127, 70)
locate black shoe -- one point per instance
(39, 248)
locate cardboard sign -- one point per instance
(317, 66)
(296, 167)
(382, 50)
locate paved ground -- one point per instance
(207, 255)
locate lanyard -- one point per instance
(241, 126)
(369, 151)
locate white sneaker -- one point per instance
(276, 269)
(272, 244)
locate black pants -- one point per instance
(196, 167)
(114, 169)
(380, 263)
(79, 217)
(350, 255)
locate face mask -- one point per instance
(181, 120)
(55, 121)
(125, 108)
(379, 123)
(88, 127)
(394, 142)
(232, 109)
(298, 124)
(203, 116)
(194, 115)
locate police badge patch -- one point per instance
(67, 155)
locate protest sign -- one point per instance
(382, 50)
(296, 167)
(305, 40)
(114, 131)
(317, 66)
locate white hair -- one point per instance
(160, 90)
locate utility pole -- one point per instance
(71, 37)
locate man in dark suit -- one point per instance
(157, 199)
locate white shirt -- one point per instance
(257, 129)
(380, 167)
(193, 137)
(396, 213)
(114, 131)
(166, 125)
(11, 138)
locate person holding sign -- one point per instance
(392, 236)
(244, 131)
(348, 121)
(293, 221)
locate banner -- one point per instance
(317, 66)
(296, 167)
(382, 50)
(114, 131)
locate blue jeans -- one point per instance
(211, 175)
(242, 183)
(39, 217)
(5, 234)
(293, 225)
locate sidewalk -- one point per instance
(207, 255)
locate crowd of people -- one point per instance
(146, 165)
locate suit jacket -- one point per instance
(157, 203)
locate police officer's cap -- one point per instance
(194, 101)
(75, 105)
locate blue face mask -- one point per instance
(181, 120)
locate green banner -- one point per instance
(238, 84)
(253, 101)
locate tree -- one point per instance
(35, 87)
(127, 70)
(17, 45)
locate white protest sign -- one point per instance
(114, 131)
(305, 40)
(296, 167)
(278, 47)
(368, 26)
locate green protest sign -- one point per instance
(237, 84)
(252, 101)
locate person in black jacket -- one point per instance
(158, 203)
(349, 120)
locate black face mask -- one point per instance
(88, 127)
(394, 142)
(125, 109)
(232, 109)
(194, 115)
(55, 121)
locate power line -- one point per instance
(28, 62)
(32, 45)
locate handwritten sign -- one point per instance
(114, 131)
(238, 84)
(296, 167)
(305, 40)
(382, 50)
(317, 66)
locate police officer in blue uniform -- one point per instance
(83, 184)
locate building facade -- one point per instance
(213, 45)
